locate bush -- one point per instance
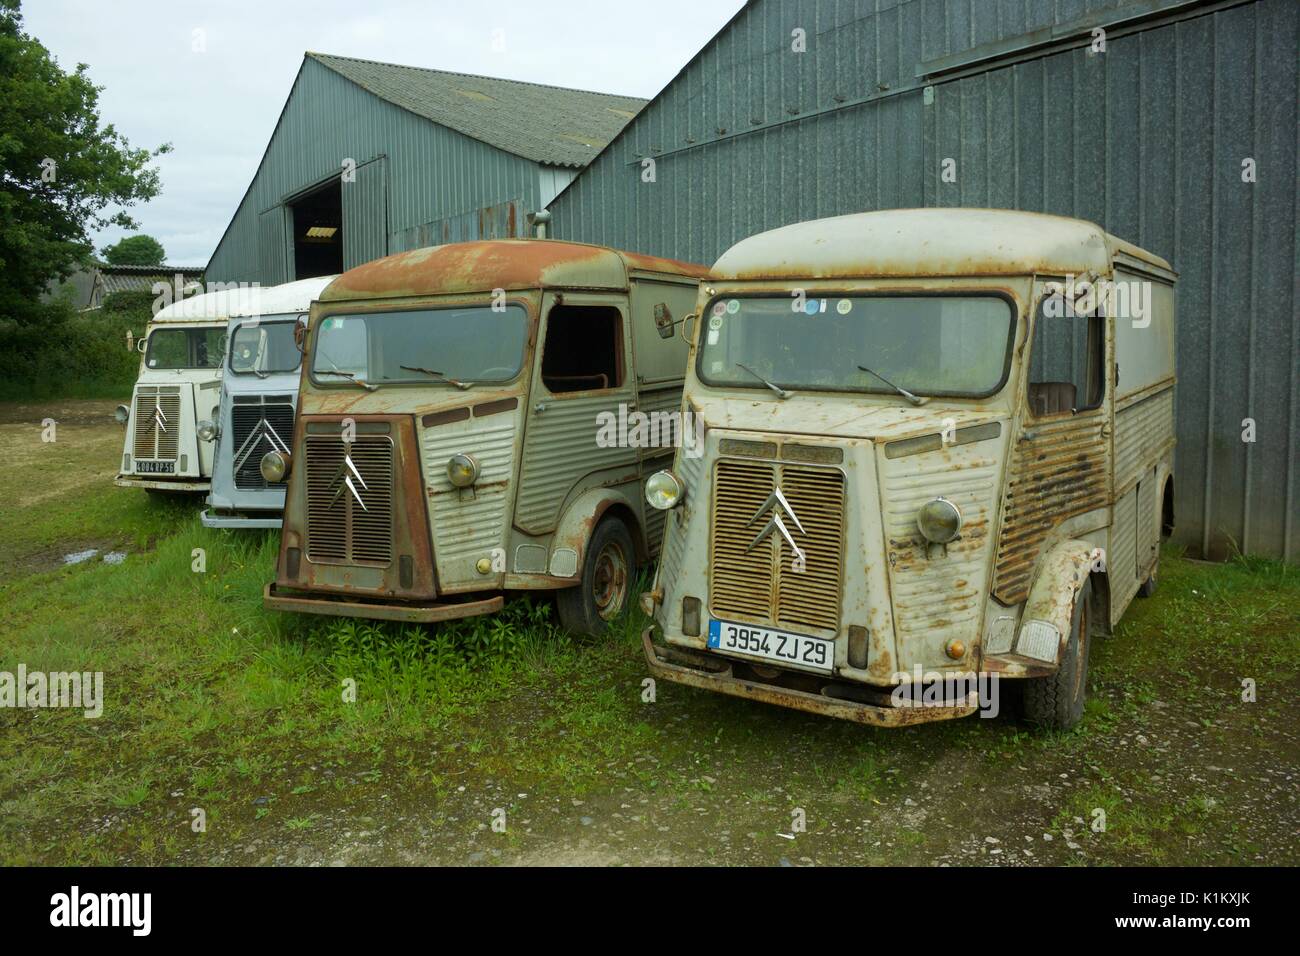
(69, 354)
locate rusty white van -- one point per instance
(449, 444)
(938, 443)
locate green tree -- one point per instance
(60, 170)
(137, 250)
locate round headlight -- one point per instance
(275, 465)
(939, 520)
(122, 414)
(207, 430)
(462, 470)
(663, 490)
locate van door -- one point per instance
(582, 379)
(1060, 464)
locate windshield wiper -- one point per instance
(348, 375)
(776, 388)
(446, 378)
(915, 400)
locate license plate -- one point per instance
(156, 467)
(781, 647)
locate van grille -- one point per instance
(157, 422)
(339, 529)
(761, 585)
(258, 426)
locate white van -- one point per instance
(178, 386)
(940, 443)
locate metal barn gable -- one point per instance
(377, 158)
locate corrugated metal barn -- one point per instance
(1154, 138)
(371, 158)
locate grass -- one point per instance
(292, 731)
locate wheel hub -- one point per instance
(609, 582)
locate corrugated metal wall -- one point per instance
(416, 170)
(1147, 139)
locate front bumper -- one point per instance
(716, 673)
(213, 519)
(162, 484)
(275, 599)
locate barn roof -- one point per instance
(547, 124)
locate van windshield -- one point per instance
(927, 344)
(430, 346)
(186, 348)
(262, 348)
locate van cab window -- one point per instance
(263, 348)
(430, 346)
(1066, 359)
(583, 348)
(185, 348)
(927, 344)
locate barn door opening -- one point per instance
(318, 232)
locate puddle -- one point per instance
(110, 557)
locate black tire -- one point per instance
(1055, 702)
(1148, 587)
(608, 574)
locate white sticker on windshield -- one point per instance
(153, 362)
(715, 367)
(713, 336)
(844, 307)
(733, 306)
(715, 322)
(719, 308)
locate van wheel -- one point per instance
(608, 571)
(1055, 702)
(1148, 587)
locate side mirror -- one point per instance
(663, 320)
(300, 336)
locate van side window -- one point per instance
(1066, 360)
(583, 349)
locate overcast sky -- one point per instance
(218, 107)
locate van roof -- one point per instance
(928, 242)
(227, 304)
(484, 265)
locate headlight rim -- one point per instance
(286, 459)
(474, 470)
(956, 517)
(122, 414)
(210, 426)
(678, 486)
